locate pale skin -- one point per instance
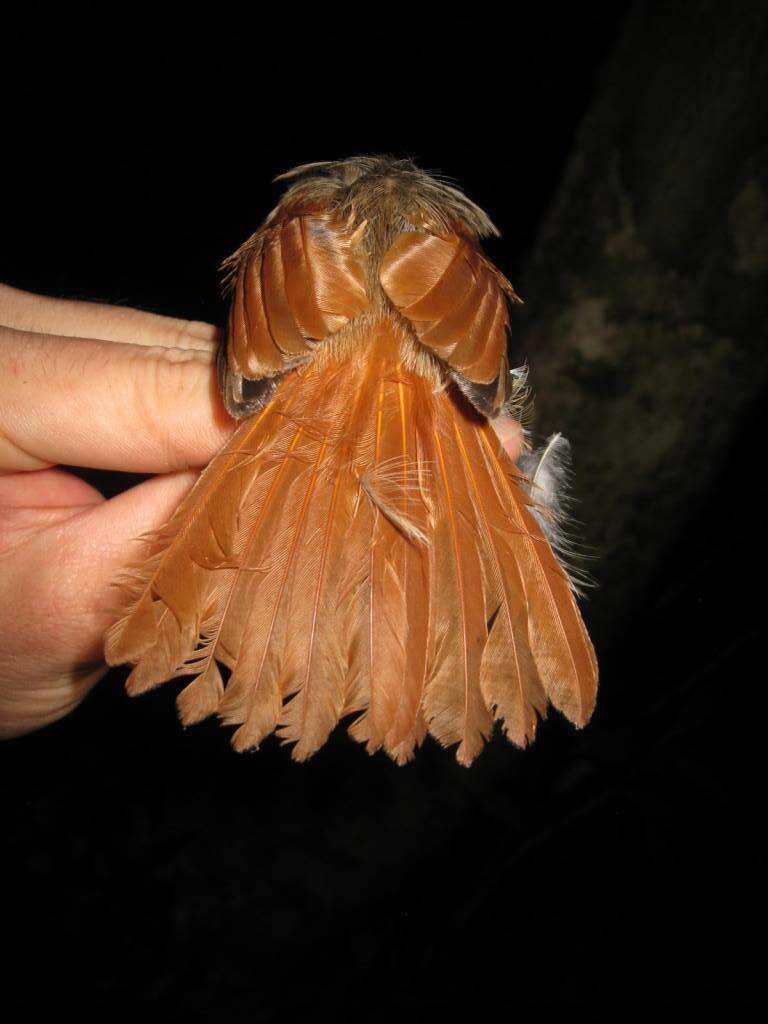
(91, 385)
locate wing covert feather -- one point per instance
(454, 298)
(296, 283)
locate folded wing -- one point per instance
(294, 285)
(457, 303)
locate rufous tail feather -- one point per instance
(363, 545)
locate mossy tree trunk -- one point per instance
(647, 292)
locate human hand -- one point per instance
(95, 386)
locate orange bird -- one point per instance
(364, 545)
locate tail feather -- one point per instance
(454, 707)
(387, 612)
(409, 726)
(363, 547)
(166, 591)
(254, 694)
(352, 611)
(561, 648)
(313, 666)
(509, 680)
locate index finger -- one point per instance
(71, 318)
(98, 404)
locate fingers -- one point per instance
(69, 318)
(87, 402)
(92, 549)
(30, 502)
(48, 489)
(65, 570)
(510, 432)
(57, 586)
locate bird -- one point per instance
(363, 548)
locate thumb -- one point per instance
(82, 557)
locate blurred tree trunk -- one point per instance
(647, 292)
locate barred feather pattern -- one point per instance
(363, 546)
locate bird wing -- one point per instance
(295, 284)
(457, 303)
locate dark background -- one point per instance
(607, 874)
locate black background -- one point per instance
(608, 874)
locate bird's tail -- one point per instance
(361, 546)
